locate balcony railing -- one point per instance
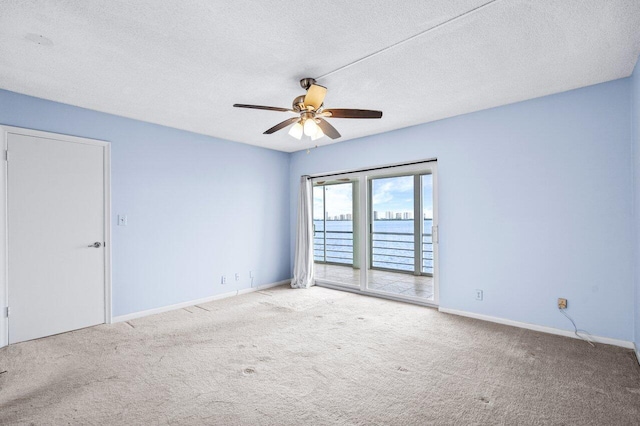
(390, 250)
(337, 247)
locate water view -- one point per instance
(393, 243)
(393, 206)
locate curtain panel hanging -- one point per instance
(303, 261)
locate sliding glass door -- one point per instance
(400, 245)
(392, 239)
(376, 232)
(335, 222)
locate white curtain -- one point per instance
(303, 261)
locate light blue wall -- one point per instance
(635, 120)
(198, 207)
(535, 204)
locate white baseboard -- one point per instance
(154, 311)
(541, 328)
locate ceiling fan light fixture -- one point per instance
(310, 127)
(318, 134)
(310, 114)
(296, 130)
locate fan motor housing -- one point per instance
(298, 103)
(307, 82)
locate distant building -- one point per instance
(389, 215)
(349, 216)
(375, 215)
(398, 215)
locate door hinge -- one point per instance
(435, 234)
(6, 155)
(7, 312)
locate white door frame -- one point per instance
(4, 277)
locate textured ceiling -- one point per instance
(184, 63)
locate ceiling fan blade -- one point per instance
(328, 129)
(268, 108)
(315, 96)
(282, 125)
(352, 113)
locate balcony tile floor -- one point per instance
(389, 282)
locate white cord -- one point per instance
(588, 337)
(371, 55)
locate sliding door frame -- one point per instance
(324, 186)
(365, 220)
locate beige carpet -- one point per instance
(317, 356)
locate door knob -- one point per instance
(96, 245)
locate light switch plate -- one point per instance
(122, 220)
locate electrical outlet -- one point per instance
(237, 276)
(223, 280)
(562, 303)
(478, 294)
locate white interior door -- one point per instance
(55, 215)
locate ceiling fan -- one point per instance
(311, 114)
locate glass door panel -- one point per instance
(319, 247)
(400, 246)
(392, 230)
(392, 234)
(335, 216)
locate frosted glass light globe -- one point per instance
(296, 131)
(310, 127)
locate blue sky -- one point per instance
(338, 199)
(389, 194)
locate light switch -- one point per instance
(122, 220)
